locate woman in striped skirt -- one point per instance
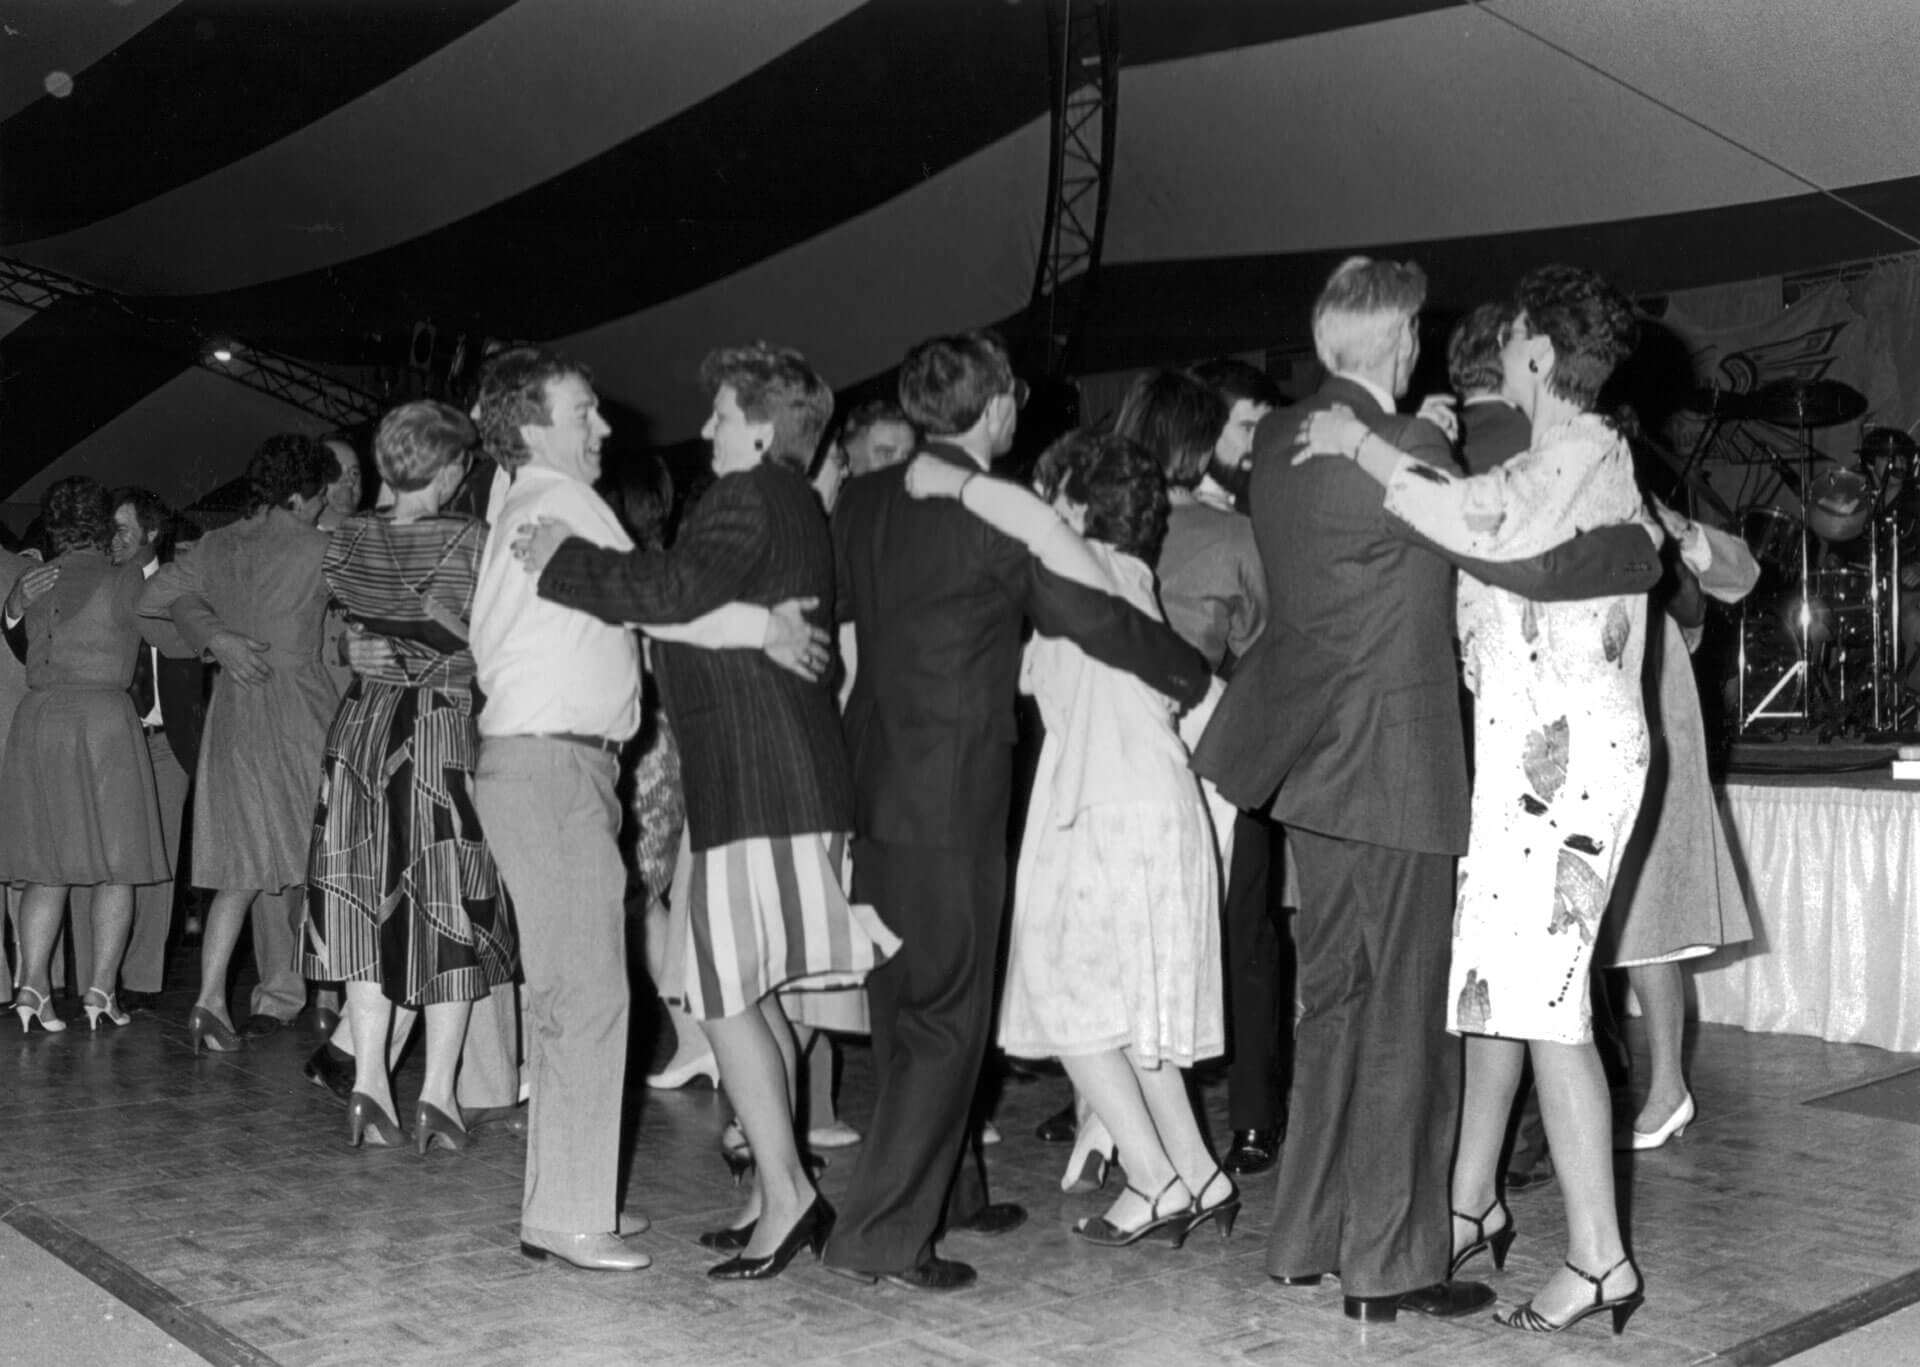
(768, 787)
(403, 903)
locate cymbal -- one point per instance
(1887, 443)
(1807, 403)
(1729, 405)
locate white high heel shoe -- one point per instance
(97, 1004)
(1092, 1155)
(37, 1012)
(1675, 1126)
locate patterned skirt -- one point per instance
(401, 889)
(769, 914)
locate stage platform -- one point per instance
(1832, 864)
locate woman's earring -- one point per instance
(759, 444)
(1534, 365)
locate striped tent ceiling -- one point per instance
(640, 180)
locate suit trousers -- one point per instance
(1363, 1179)
(1258, 945)
(932, 1009)
(490, 1057)
(552, 820)
(145, 963)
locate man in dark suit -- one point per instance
(938, 599)
(1492, 431)
(1345, 718)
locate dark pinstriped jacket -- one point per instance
(760, 748)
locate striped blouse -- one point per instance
(411, 582)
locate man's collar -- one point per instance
(949, 452)
(1379, 395)
(1477, 400)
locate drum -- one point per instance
(1773, 535)
(1839, 503)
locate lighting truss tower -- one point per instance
(1084, 45)
(270, 372)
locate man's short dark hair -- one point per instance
(870, 414)
(284, 465)
(1236, 380)
(513, 394)
(947, 382)
(150, 511)
(1473, 350)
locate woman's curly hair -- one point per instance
(77, 514)
(1589, 322)
(1119, 482)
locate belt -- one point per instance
(612, 747)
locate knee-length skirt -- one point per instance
(401, 888)
(77, 801)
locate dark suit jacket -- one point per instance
(938, 599)
(1345, 714)
(760, 748)
(1492, 432)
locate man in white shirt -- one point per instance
(562, 695)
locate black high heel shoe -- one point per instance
(1528, 1320)
(368, 1123)
(1497, 1242)
(207, 1031)
(1100, 1230)
(1222, 1212)
(809, 1231)
(431, 1123)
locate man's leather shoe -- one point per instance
(1442, 1300)
(513, 1119)
(998, 1218)
(1252, 1151)
(593, 1252)
(1058, 1128)
(331, 1068)
(1310, 1279)
(935, 1274)
(259, 1025)
(1537, 1175)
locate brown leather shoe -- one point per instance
(998, 1218)
(1442, 1300)
(935, 1274)
(1252, 1151)
(592, 1252)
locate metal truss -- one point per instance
(1085, 47)
(272, 373)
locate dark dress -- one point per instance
(401, 889)
(77, 801)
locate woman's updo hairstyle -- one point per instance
(1589, 322)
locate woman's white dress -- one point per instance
(1116, 924)
(1560, 732)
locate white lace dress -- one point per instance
(1560, 732)
(1116, 914)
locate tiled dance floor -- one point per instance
(227, 1185)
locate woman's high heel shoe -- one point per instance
(208, 1031)
(809, 1231)
(1222, 1212)
(431, 1123)
(1531, 1321)
(368, 1123)
(1091, 1157)
(1100, 1230)
(97, 1004)
(1676, 1125)
(1497, 1242)
(37, 1012)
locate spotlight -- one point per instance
(222, 354)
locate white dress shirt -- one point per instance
(543, 668)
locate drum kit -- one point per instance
(1822, 636)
